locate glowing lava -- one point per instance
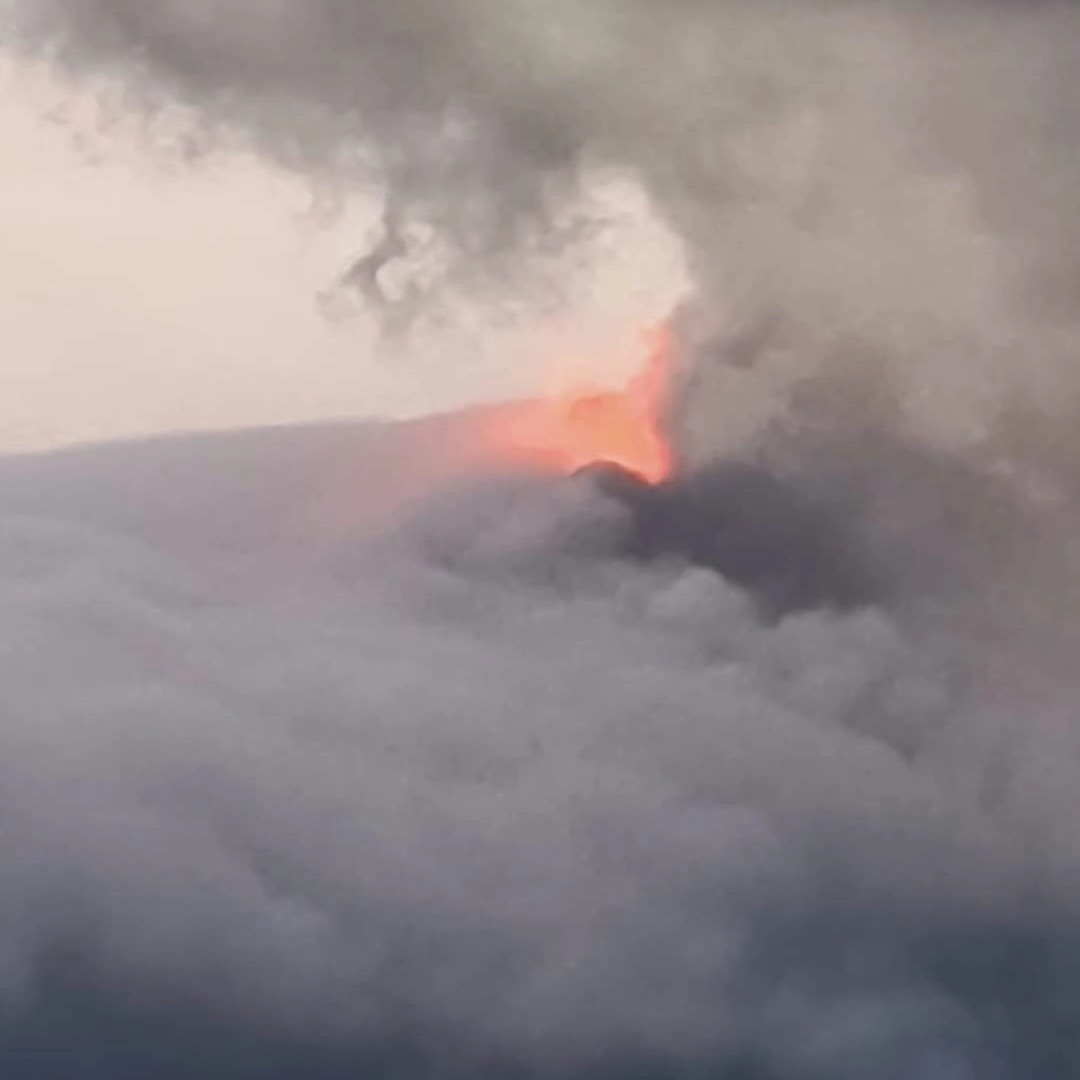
(623, 426)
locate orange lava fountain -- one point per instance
(622, 427)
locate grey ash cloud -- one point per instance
(349, 750)
(884, 180)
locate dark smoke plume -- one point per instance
(752, 528)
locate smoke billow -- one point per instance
(306, 768)
(358, 750)
(883, 180)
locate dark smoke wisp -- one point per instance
(752, 528)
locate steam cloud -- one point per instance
(348, 750)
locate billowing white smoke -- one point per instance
(337, 736)
(315, 733)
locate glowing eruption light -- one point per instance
(623, 426)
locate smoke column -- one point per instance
(365, 751)
(881, 180)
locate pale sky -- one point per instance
(139, 295)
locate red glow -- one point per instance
(623, 427)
